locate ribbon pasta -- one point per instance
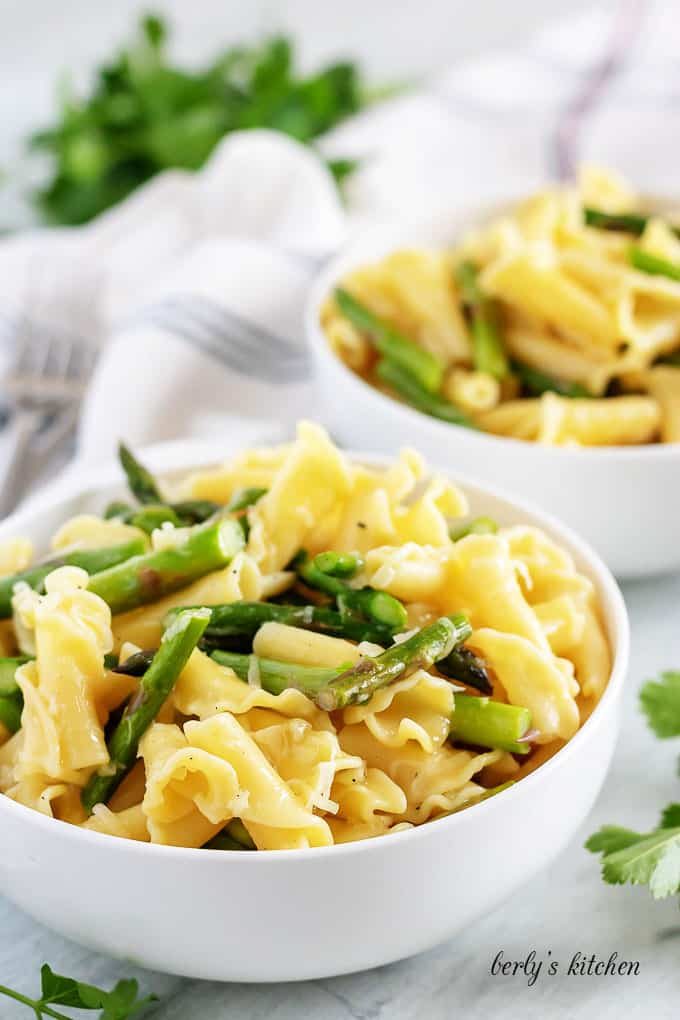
(222, 747)
(575, 313)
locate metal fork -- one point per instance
(43, 384)
(239, 343)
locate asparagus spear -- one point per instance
(652, 264)
(176, 646)
(11, 698)
(242, 499)
(185, 512)
(135, 664)
(392, 344)
(463, 665)
(408, 387)
(146, 578)
(537, 382)
(487, 345)
(276, 677)
(357, 685)
(241, 620)
(375, 605)
(8, 667)
(92, 560)
(152, 516)
(338, 564)
(233, 836)
(142, 483)
(118, 509)
(11, 708)
(144, 486)
(628, 223)
(486, 723)
(477, 526)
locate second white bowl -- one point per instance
(624, 500)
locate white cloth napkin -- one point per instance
(195, 285)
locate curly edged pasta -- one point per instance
(558, 322)
(294, 707)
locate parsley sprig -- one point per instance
(121, 1003)
(144, 114)
(648, 858)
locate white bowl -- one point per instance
(299, 914)
(624, 500)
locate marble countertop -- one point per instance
(566, 909)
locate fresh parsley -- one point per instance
(648, 858)
(121, 1003)
(144, 114)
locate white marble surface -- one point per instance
(565, 910)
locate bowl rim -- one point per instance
(612, 605)
(383, 239)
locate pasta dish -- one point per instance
(289, 650)
(558, 322)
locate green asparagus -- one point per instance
(338, 564)
(463, 665)
(628, 223)
(375, 605)
(486, 723)
(487, 345)
(408, 387)
(239, 621)
(147, 578)
(652, 264)
(242, 499)
(177, 644)
(141, 482)
(233, 836)
(10, 711)
(195, 511)
(8, 667)
(92, 560)
(390, 343)
(357, 685)
(118, 508)
(537, 382)
(180, 514)
(11, 698)
(497, 789)
(152, 516)
(477, 526)
(276, 677)
(135, 664)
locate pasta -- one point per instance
(242, 748)
(557, 323)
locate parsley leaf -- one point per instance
(651, 859)
(670, 817)
(611, 838)
(121, 1003)
(143, 115)
(660, 701)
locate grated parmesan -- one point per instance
(368, 648)
(254, 678)
(322, 799)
